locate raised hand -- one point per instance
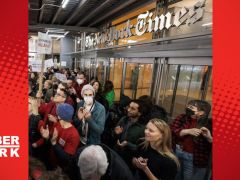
(52, 118)
(87, 115)
(206, 133)
(54, 137)
(45, 132)
(194, 132)
(118, 130)
(81, 113)
(122, 144)
(141, 163)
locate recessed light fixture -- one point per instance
(64, 3)
(207, 24)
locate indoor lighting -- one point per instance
(66, 33)
(131, 41)
(207, 24)
(56, 35)
(64, 3)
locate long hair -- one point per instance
(100, 86)
(108, 87)
(165, 147)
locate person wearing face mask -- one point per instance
(193, 140)
(80, 82)
(89, 117)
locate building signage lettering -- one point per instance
(148, 23)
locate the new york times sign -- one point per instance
(148, 22)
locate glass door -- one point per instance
(184, 82)
(138, 77)
(101, 70)
(89, 68)
(114, 73)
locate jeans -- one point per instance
(186, 165)
(199, 173)
(187, 171)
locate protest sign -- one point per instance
(44, 44)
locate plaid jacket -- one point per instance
(198, 146)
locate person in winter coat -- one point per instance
(100, 162)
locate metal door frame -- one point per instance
(137, 61)
(160, 81)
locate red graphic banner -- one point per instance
(226, 94)
(14, 84)
(13, 90)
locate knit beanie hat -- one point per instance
(87, 87)
(65, 112)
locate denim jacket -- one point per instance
(95, 124)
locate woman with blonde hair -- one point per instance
(156, 159)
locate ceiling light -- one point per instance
(66, 33)
(56, 35)
(207, 24)
(64, 3)
(131, 41)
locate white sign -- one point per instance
(61, 77)
(30, 60)
(49, 63)
(63, 63)
(44, 44)
(36, 66)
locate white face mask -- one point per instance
(79, 81)
(88, 100)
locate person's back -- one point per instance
(151, 110)
(109, 93)
(101, 162)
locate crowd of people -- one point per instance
(77, 131)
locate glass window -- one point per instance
(144, 79)
(197, 82)
(169, 89)
(116, 66)
(100, 70)
(209, 91)
(131, 80)
(191, 85)
(182, 89)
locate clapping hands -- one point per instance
(45, 132)
(140, 163)
(54, 137)
(83, 114)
